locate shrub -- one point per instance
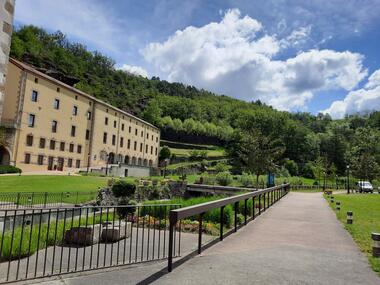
(224, 178)
(307, 170)
(123, 212)
(122, 188)
(9, 169)
(247, 180)
(292, 167)
(221, 167)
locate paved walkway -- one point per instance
(297, 241)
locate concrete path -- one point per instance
(297, 241)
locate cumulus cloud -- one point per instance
(362, 101)
(133, 69)
(235, 57)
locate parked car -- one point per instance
(365, 186)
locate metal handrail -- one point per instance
(273, 194)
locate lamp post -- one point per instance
(348, 179)
(88, 163)
(324, 181)
(107, 164)
(336, 182)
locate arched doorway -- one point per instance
(120, 158)
(133, 160)
(145, 162)
(5, 157)
(139, 161)
(126, 159)
(111, 158)
(150, 162)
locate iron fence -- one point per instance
(41, 242)
(25, 200)
(261, 200)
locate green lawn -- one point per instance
(186, 152)
(366, 213)
(50, 183)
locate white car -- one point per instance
(365, 186)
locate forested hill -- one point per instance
(98, 76)
(194, 114)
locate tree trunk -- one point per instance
(257, 181)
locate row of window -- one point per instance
(105, 138)
(129, 129)
(54, 127)
(52, 144)
(56, 105)
(51, 161)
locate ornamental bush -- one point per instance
(224, 178)
(9, 169)
(122, 188)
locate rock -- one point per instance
(115, 232)
(82, 235)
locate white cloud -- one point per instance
(235, 57)
(85, 20)
(362, 101)
(133, 69)
(374, 79)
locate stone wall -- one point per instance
(6, 27)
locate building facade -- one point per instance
(6, 16)
(57, 127)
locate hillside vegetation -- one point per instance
(305, 144)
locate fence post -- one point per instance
(260, 204)
(18, 201)
(171, 239)
(221, 223)
(45, 199)
(76, 201)
(253, 207)
(61, 199)
(200, 233)
(245, 211)
(236, 210)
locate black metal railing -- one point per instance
(41, 242)
(262, 198)
(9, 200)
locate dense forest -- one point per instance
(309, 144)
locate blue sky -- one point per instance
(296, 56)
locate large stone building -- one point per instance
(54, 126)
(6, 17)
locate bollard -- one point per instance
(332, 199)
(350, 218)
(337, 205)
(376, 244)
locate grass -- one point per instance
(366, 214)
(27, 240)
(186, 152)
(51, 183)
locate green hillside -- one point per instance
(308, 143)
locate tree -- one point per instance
(364, 154)
(152, 113)
(164, 153)
(291, 166)
(258, 153)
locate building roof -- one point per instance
(31, 69)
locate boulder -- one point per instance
(115, 232)
(82, 235)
